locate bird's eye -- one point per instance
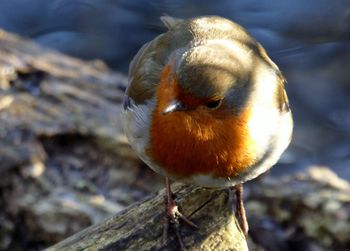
(213, 104)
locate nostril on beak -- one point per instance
(173, 107)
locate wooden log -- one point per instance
(140, 226)
(44, 94)
(60, 139)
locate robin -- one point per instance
(205, 105)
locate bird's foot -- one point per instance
(240, 210)
(173, 218)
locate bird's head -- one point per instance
(205, 81)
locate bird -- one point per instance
(205, 105)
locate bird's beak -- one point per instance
(173, 107)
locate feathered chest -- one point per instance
(193, 142)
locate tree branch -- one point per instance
(140, 226)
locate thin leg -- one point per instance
(240, 210)
(173, 215)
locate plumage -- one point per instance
(199, 60)
(205, 105)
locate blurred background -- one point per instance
(308, 40)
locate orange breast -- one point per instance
(187, 143)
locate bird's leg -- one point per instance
(173, 215)
(240, 210)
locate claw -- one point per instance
(173, 217)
